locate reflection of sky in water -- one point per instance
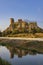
(4, 53)
(25, 60)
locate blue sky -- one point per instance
(25, 9)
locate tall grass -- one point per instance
(3, 62)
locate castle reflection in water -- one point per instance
(19, 52)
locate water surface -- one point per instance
(20, 57)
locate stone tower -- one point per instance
(11, 21)
(20, 23)
(11, 24)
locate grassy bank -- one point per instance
(27, 35)
(3, 62)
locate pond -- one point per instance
(17, 56)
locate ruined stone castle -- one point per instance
(21, 25)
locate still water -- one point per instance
(20, 57)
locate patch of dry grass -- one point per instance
(27, 35)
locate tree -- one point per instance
(34, 31)
(38, 30)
